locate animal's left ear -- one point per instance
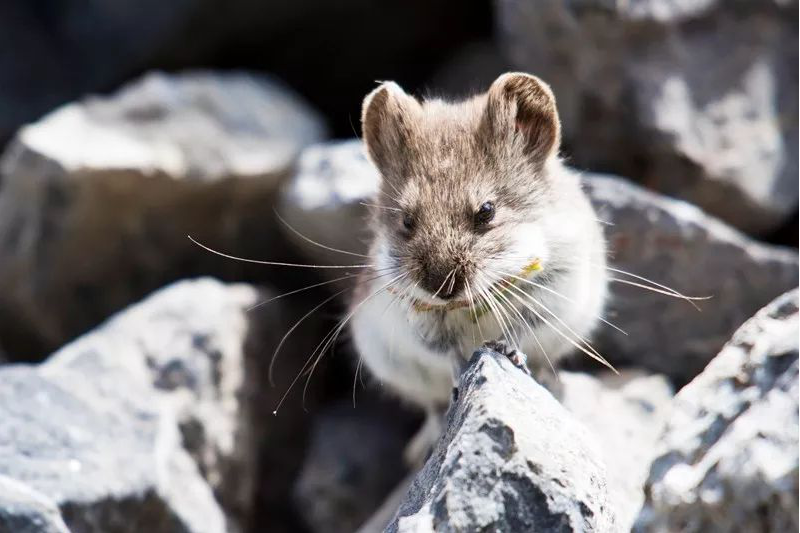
(522, 108)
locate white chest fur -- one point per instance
(415, 352)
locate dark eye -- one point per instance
(408, 221)
(485, 214)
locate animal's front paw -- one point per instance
(519, 359)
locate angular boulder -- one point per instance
(695, 99)
(668, 241)
(98, 197)
(153, 420)
(324, 201)
(728, 459)
(677, 245)
(511, 459)
(109, 460)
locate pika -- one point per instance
(480, 232)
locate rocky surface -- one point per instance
(324, 200)
(139, 424)
(626, 415)
(696, 99)
(666, 240)
(677, 245)
(511, 459)
(111, 462)
(97, 198)
(728, 459)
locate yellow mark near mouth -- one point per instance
(504, 286)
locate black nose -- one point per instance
(446, 283)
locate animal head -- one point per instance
(464, 183)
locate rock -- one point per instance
(191, 346)
(511, 459)
(23, 510)
(110, 462)
(677, 245)
(353, 461)
(97, 198)
(148, 418)
(696, 99)
(626, 415)
(195, 126)
(728, 460)
(324, 199)
(666, 240)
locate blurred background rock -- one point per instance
(126, 126)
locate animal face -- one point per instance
(463, 184)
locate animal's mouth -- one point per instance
(502, 285)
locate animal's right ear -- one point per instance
(387, 121)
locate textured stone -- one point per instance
(511, 459)
(728, 460)
(188, 346)
(677, 245)
(97, 198)
(324, 199)
(110, 461)
(152, 420)
(696, 99)
(626, 415)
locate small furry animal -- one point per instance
(480, 232)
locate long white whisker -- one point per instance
(556, 293)
(659, 291)
(265, 302)
(530, 328)
(297, 377)
(271, 263)
(336, 331)
(443, 282)
(270, 370)
(669, 290)
(591, 352)
(315, 243)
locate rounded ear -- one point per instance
(522, 107)
(388, 118)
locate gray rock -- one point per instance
(666, 240)
(23, 510)
(191, 347)
(195, 126)
(97, 198)
(728, 460)
(150, 421)
(679, 246)
(511, 459)
(324, 198)
(111, 462)
(353, 461)
(696, 99)
(626, 414)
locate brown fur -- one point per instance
(441, 161)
